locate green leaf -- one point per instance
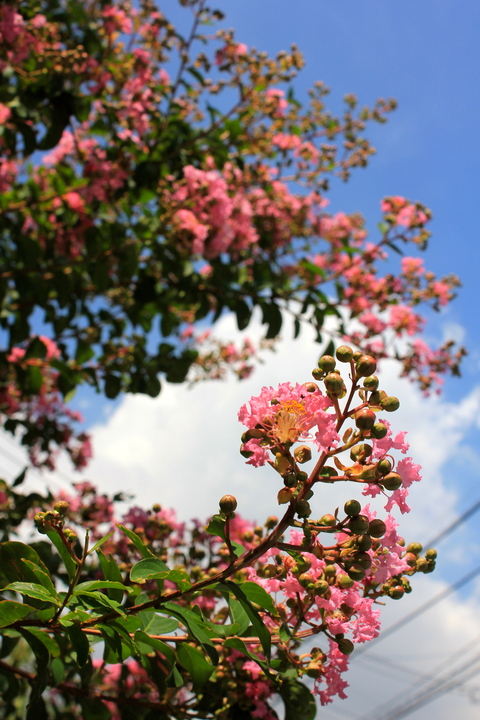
(84, 352)
(21, 477)
(148, 569)
(111, 572)
(216, 526)
(195, 664)
(79, 642)
(138, 542)
(43, 662)
(272, 316)
(70, 565)
(256, 594)
(94, 709)
(34, 591)
(262, 631)
(113, 386)
(298, 700)
(20, 562)
(155, 624)
(100, 542)
(195, 626)
(101, 585)
(11, 611)
(165, 650)
(99, 599)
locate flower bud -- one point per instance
(363, 559)
(344, 582)
(321, 587)
(392, 481)
(303, 509)
(356, 572)
(377, 528)
(326, 363)
(414, 548)
(371, 383)
(305, 579)
(365, 365)
(378, 431)
(384, 466)
(365, 419)
(245, 453)
(329, 521)
(335, 386)
(39, 521)
(352, 508)
(346, 646)
(431, 554)
(357, 355)
(302, 454)
(61, 507)
(364, 542)
(422, 565)
(228, 504)
(317, 373)
(360, 452)
(344, 353)
(390, 403)
(397, 592)
(358, 524)
(311, 387)
(290, 480)
(253, 433)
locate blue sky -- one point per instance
(427, 56)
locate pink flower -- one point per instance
(287, 414)
(5, 113)
(412, 266)
(403, 319)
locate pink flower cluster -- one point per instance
(287, 414)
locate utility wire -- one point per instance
(453, 526)
(422, 608)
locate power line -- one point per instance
(422, 608)
(453, 526)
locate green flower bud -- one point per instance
(290, 481)
(61, 507)
(335, 386)
(245, 453)
(377, 528)
(397, 592)
(303, 509)
(329, 520)
(326, 363)
(365, 365)
(344, 582)
(321, 587)
(344, 354)
(358, 524)
(371, 383)
(363, 559)
(352, 508)
(384, 466)
(228, 504)
(311, 387)
(357, 355)
(329, 571)
(365, 419)
(392, 481)
(431, 554)
(317, 373)
(305, 579)
(356, 572)
(360, 452)
(378, 431)
(364, 542)
(414, 548)
(346, 646)
(390, 403)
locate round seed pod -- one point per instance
(344, 354)
(352, 508)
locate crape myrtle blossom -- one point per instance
(287, 414)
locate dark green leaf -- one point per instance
(80, 643)
(138, 542)
(11, 611)
(258, 625)
(195, 664)
(70, 565)
(34, 591)
(20, 478)
(298, 699)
